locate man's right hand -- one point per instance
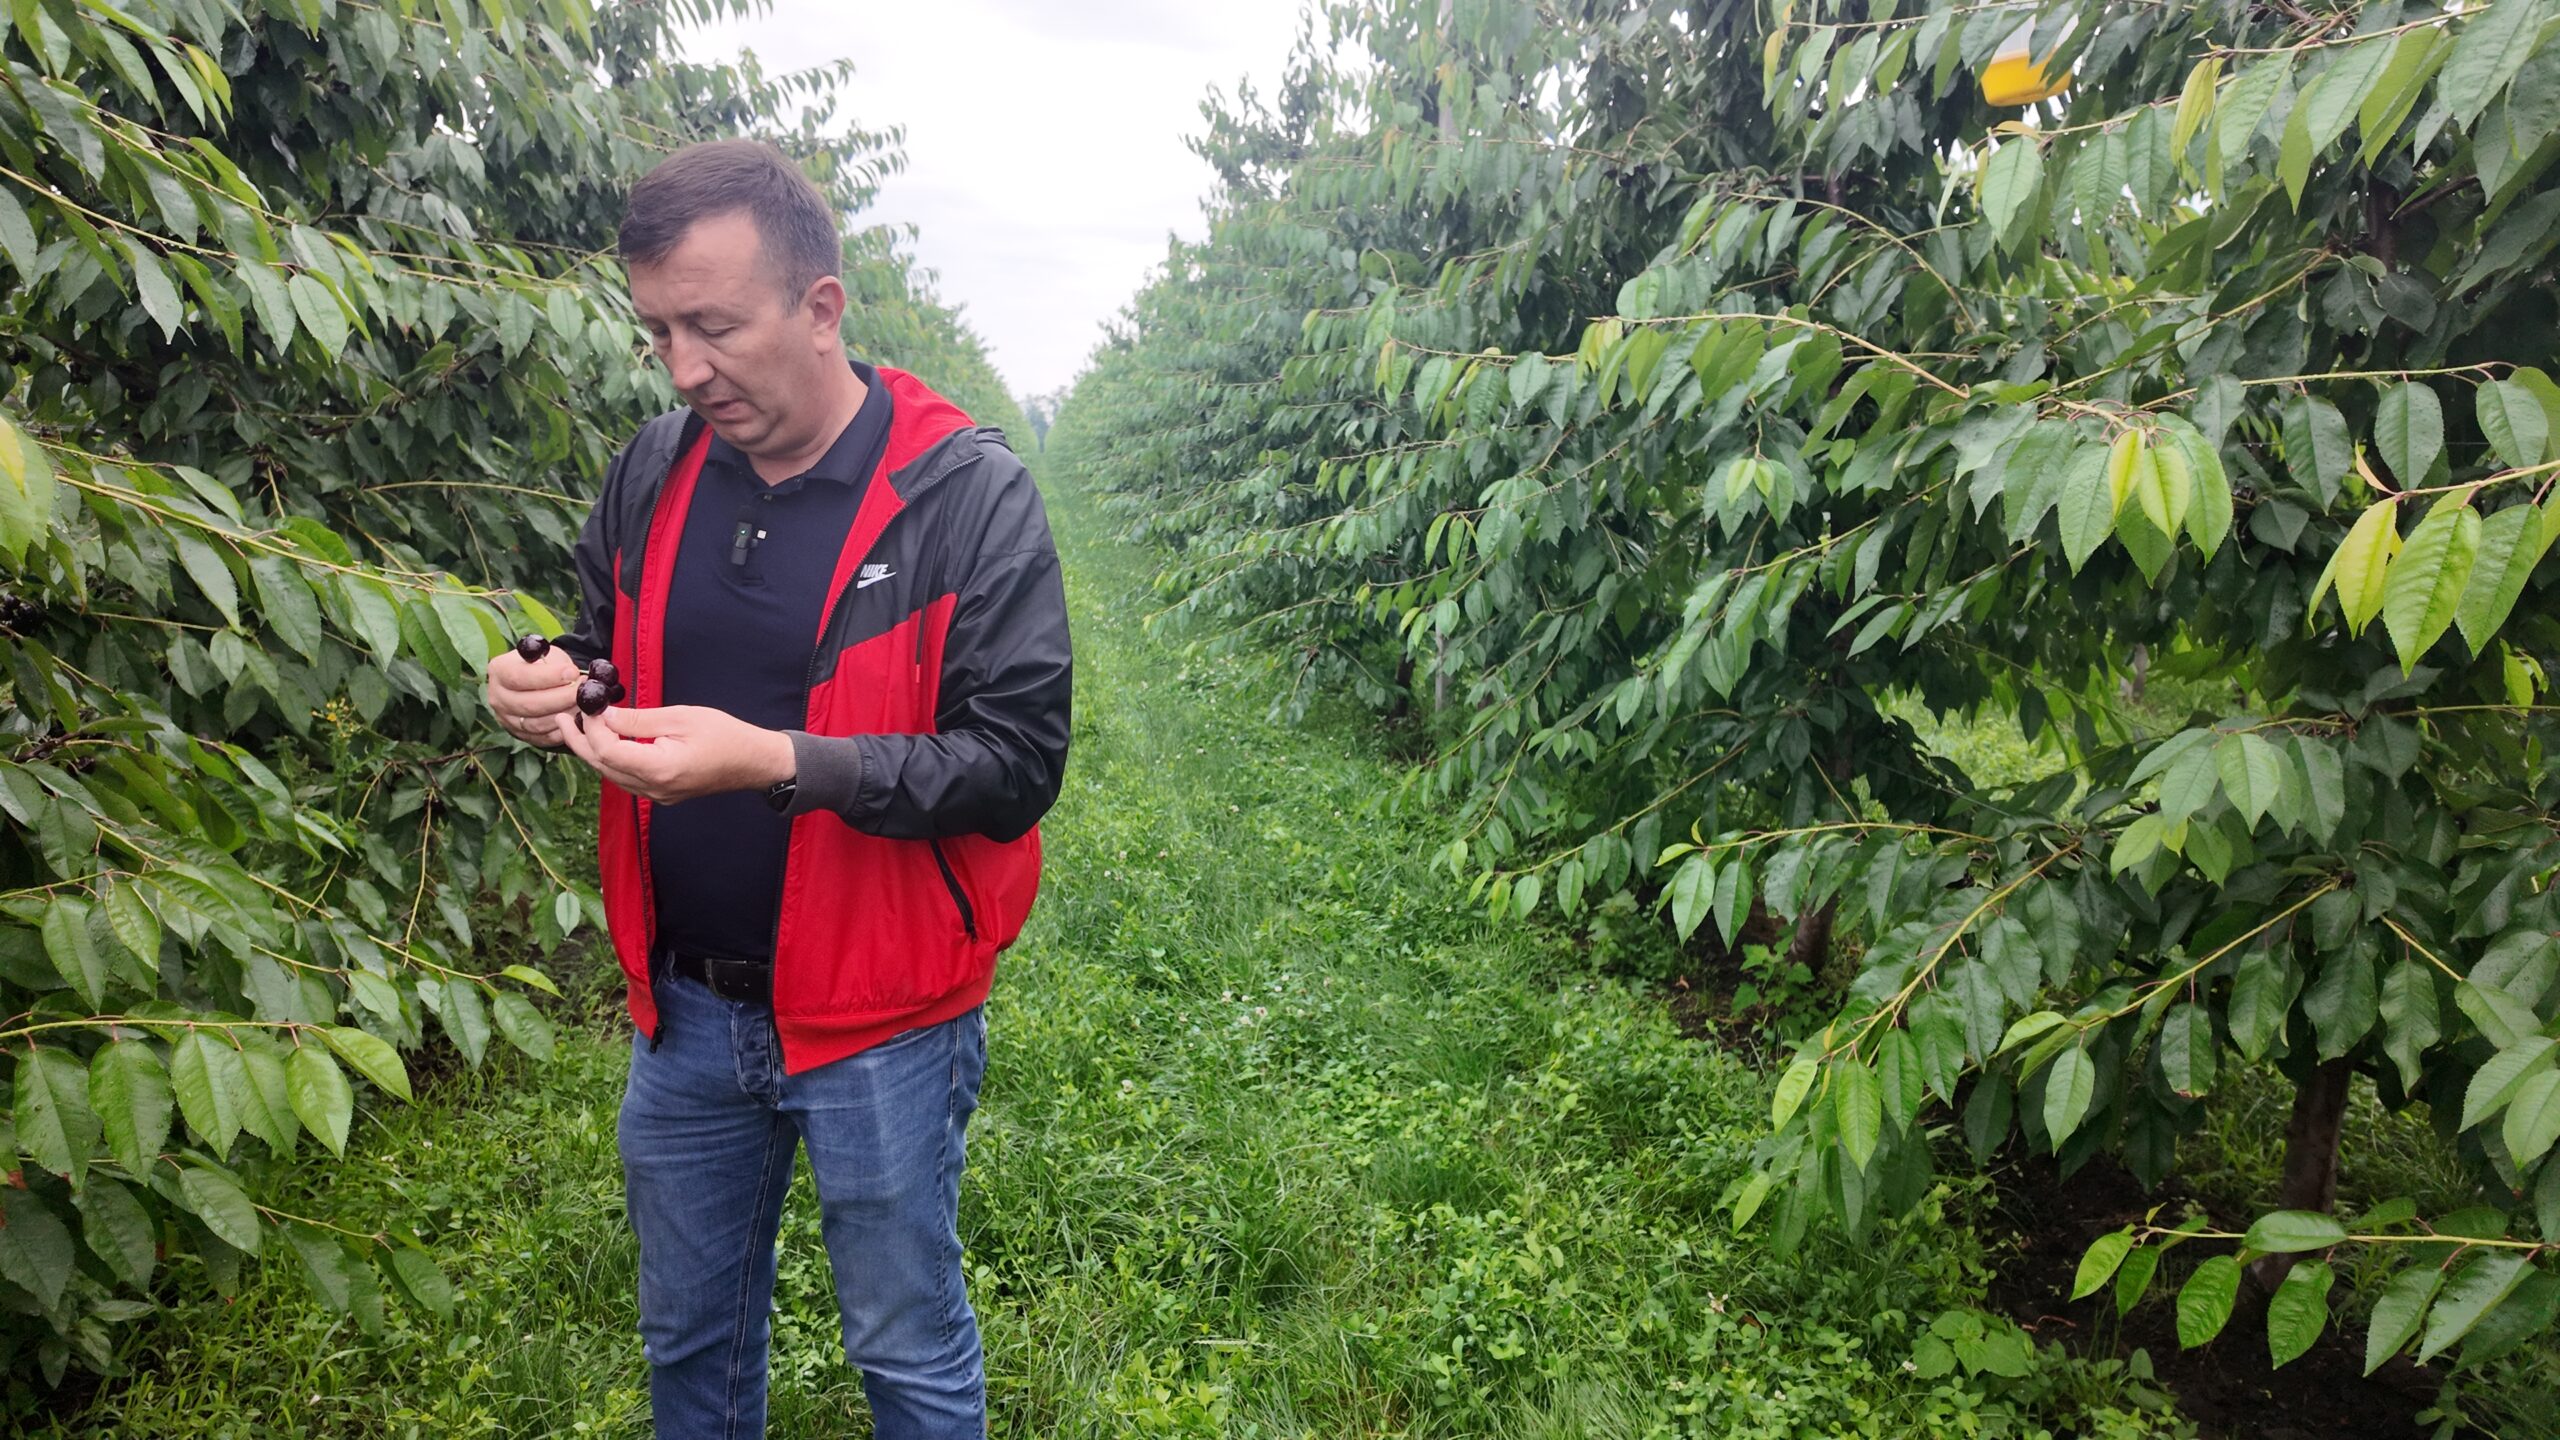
(533, 699)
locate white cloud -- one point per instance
(1046, 162)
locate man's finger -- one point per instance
(509, 671)
(533, 704)
(644, 724)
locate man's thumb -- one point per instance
(637, 724)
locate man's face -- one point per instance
(743, 354)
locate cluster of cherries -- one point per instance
(18, 615)
(601, 687)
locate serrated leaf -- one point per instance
(17, 236)
(525, 1027)
(2204, 1302)
(2361, 564)
(129, 1091)
(2299, 1311)
(26, 489)
(2517, 427)
(2533, 1119)
(2068, 1090)
(2408, 428)
(2487, 52)
(372, 1058)
(317, 308)
(2510, 545)
(269, 298)
(2195, 106)
(417, 1276)
(2469, 1296)
(135, 927)
(56, 1127)
(2502, 1075)
(321, 1096)
(1693, 893)
(2252, 772)
(118, 1231)
(2187, 1049)
(2135, 1277)
(2098, 1264)
(36, 1252)
(1857, 1107)
(2397, 1313)
(218, 1201)
(205, 566)
(2288, 1232)
(2087, 509)
(2010, 180)
(151, 282)
(1793, 1086)
(208, 1078)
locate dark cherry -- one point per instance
(615, 697)
(602, 669)
(532, 648)
(593, 696)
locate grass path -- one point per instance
(1279, 1141)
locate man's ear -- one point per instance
(825, 306)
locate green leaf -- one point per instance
(2409, 430)
(26, 490)
(36, 1252)
(73, 948)
(1693, 893)
(2488, 50)
(2409, 1018)
(209, 1077)
(135, 927)
(159, 297)
(2208, 516)
(56, 1127)
(118, 1231)
(287, 605)
(2511, 544)
(2261, 993)
(317, 308)
(2067, 1093)
(2135, 1278)
(2204, 1302)
(2088, 511)
(372, 1058)
(2472, 1293)
(2503, 1074)
(205, 566)
(2360, 565)
(2533, 1118)
(2099, 1263)
(2288, 1232)
(218, 1201)
(2298, 1311)
(524, 1026)
(2195, 106)
(1528, 376)
(2397, 1312)
(2517, 427)
(2316, 447)
(2427, 581)
(2413, 62)
(2187, 1049)
(270, 299)
(129, 1090)
(1793, 1086)
(2010, 180)
(465, 1017)
(17, 236)
(2252, 773)
(415, 1272)
(321, 1096)
(1857, 1107)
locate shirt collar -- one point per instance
(846, 461)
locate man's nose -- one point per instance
(688, 363)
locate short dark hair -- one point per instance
(727, 177)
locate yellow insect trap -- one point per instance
(2016, 77)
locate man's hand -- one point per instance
(533, 700)
(676, 752)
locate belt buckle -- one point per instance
(732, 979)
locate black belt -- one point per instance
(743, 980)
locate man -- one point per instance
(836, 608)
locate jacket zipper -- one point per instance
(951, 882)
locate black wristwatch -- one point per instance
(779, 793)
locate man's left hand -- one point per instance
(677, 752)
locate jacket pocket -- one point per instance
(959, 893)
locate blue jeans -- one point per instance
(710, 1128)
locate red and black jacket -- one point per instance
(936, 731)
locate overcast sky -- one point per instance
(1044, 141)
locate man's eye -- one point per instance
(715, 332)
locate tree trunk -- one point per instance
(2310, 1157)
(1810, 946)
(1403, 703)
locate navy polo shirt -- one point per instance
(741, 628)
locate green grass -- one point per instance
(1279, 1140)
